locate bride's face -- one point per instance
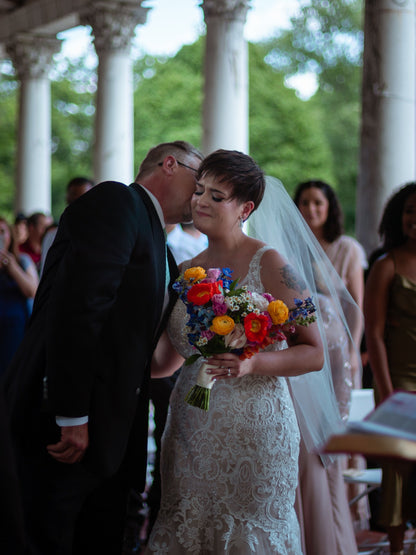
(214, 212)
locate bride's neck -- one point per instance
(223, 250)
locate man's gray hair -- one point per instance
(181, 150)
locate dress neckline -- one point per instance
(254, 260)
(403, 277)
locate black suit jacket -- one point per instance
(11, 512)
(94, 326)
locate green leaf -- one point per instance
(190, 360)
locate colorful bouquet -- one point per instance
(226, 318)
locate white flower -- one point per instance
(236, 339)
(260, 302)
(201, 342)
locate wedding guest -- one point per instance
(319, 205)
(36, 227)
(390, 331)
(185, 241)
(229, 475)
(18, 284)
(20, 228)
(77, 389)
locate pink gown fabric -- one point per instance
(321, 498)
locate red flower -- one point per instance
(255, 326)
(249, 352)
(201, 293)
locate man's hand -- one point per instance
(73, 444)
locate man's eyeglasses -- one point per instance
(182, 164)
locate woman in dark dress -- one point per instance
(18, 284)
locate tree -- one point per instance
(168, 99)
(286, 136)
(326, 38)
(73, 109)
(292, 139)
(72, 113)
(8, 133)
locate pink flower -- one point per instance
(218, 304)
(213, 274)
(268, 297)
(208, 334)
(236, 339)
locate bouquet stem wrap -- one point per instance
(199, 395)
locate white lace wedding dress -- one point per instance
(229, 475)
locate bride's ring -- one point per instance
(229, 371)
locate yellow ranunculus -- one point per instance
(222, 325)
(195, 274)
(278, 311)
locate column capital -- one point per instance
(31, 54)
(226, 9)
(113, 24)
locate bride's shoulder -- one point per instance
(271, 259)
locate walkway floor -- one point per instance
(375, 543)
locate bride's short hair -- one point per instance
(237, 169)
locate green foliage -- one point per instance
(72, 113)
(72, 128)
(286, 134)
(326, 38)
(291, 139)
(324, 35)
(168, 99)
(8, 123)
(283, 130)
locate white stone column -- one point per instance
(387, 157)
(32, 57)
(113, 27)
(225, 110)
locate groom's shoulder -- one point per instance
(108, 187)
(114, 192)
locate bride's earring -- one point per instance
(240, 221)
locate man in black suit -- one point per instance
(77, 389)
(11, 515)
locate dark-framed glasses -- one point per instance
(183, 165)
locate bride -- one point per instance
(229, 475)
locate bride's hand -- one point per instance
(229, 366)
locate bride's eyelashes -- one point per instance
(215, 199)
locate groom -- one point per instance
(77, 389)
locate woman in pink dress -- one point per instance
(320, 208)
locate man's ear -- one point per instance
(169, 164)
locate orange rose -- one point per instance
(195, 274)
(278, 311)
(222, 325)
